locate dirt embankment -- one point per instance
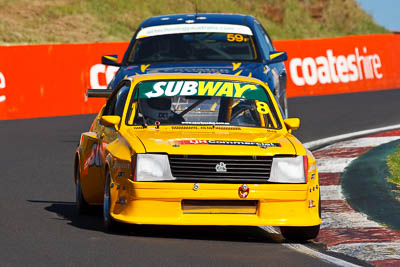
(70, 21)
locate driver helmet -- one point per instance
(158, 108)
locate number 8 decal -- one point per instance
(263, 107)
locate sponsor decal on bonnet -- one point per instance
(226, 143)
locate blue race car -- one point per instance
(204, 43)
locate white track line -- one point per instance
(333, 139)
(365, 142)
(369, 251)
(308, 251)
(311, 252)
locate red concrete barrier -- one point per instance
(52, 80)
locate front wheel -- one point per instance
(109, 223)
(303, 233)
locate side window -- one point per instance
(265, 41)
(110, 105)
(121, 99)
(115, 105)
(267, 38)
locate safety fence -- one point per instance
(52, 79)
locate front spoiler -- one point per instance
(161, 203)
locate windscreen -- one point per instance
(202, 102)
(198, 42)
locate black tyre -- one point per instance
(81, 205)
(110, 224)
(300, 233)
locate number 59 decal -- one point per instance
(231, 37)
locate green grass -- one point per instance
(393, 162)
(49, 21)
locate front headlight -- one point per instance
(153, 167)
(289, 170)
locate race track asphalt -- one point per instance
(325, 116)
(39, 225)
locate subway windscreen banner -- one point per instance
(52, 79)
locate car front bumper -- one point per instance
(171, 203)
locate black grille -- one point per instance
(239, 169)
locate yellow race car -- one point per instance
(197, 149)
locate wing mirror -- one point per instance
(292, 124)
(111, 120)
(277, 56)
(111, 60)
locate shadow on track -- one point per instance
(94, 222)
(67, 211)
